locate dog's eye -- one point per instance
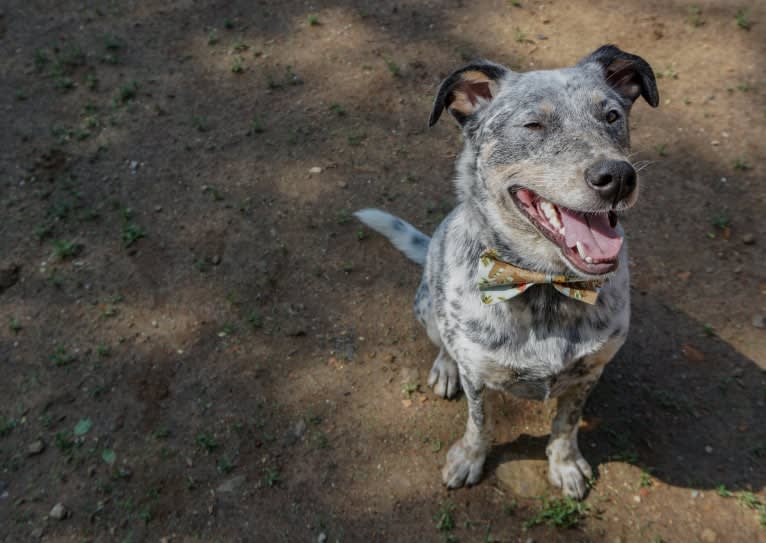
(533, 126)
(612, 116)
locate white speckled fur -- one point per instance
(541, 344)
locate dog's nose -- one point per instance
(614, 180)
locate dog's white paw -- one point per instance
(464, 466)
(444, 377)
(571, 476)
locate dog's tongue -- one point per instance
(598, 238)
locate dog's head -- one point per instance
(547, 154)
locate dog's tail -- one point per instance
(405, 237)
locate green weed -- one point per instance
(743, 19)
(561, 512)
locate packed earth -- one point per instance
(199, 343)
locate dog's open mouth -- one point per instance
(589, 241)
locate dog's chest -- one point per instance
(535, 346)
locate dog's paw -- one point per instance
(571, 476)
(444, 377)
(463, 467)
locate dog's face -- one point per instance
(551, 153)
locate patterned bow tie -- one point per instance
(500, 281)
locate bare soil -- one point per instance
(198, 343)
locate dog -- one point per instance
(525, 286)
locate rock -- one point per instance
(36, 447)
(299, 429)
(295, 433)
(231, 485)
(748, 239)
(215, 260)
(322, 538)
(759, 321)
(525, 478)
(9, 276)
(708, 536)
(295, 329)
(37, 533)
(315, 169)
(59, 512)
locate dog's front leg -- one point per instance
(465, 459)
(567, 469)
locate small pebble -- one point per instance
(708, 449)
(759, 321)
(322, 538)
(315, 169)
(748, 239)
(215, 260)
(36, 447)
(157, 209)
(58, 512)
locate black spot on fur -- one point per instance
(485, 334)
(418, 240)
(475, 403)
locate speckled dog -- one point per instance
(540, 181)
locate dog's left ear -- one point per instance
(466, 90)
(629, 75)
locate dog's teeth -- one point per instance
(549, 210)
(562, 231)
(581, 251)
(589, 260)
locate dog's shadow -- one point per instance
(682, 405)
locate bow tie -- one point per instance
(500, 281)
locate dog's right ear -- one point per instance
(466, 90)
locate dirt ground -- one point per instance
(200, 344)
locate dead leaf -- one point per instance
(335, 363)
(684, 275)
(726, 232)
(590, 424)
(692, 354)
(407, 403)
